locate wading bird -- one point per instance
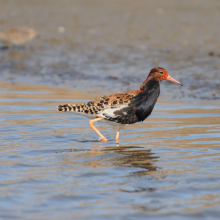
(123, 108)
(17, 36)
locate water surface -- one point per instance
(53, 167)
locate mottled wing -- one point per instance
(102, 107)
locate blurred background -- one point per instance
(103, 46)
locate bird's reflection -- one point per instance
(134, 156)
(120, 156)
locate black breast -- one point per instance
(141, 105)
(144, 102)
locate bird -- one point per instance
(123, 108)
(17, 36)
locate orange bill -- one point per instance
(173, 80)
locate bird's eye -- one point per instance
(161, 72)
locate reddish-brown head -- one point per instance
(159, 74)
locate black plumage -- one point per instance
(141, 105)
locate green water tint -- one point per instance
(52, 164)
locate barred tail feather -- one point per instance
(68, 108)
(89, 109)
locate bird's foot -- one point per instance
(102, 139)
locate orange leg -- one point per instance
(117, 137)
(97, 131)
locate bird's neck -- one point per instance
(148, 81)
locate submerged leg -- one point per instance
(117, 136)
(97, 131)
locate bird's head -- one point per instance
(160, 74)
(31, 33)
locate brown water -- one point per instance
(53, 167)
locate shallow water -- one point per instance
(53, 167)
